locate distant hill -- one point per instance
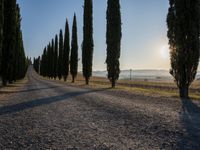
(138, 74)
(141, 74)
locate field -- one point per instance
(157, 88)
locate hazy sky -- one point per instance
(144, 41)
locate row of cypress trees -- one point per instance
(183, 21)
(58, 64)
(1, 29)
(13, 62)
(56, 61)
(113, 40)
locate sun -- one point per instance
(165, 52)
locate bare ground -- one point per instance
(42, 114)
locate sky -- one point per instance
(144, 42)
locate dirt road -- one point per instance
(42, 114)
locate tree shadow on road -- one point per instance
(43, 101)
(190, 119)
(28, 90)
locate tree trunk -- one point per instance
(65, 79)
(87, 81)
(183, 92)
(113, 83)
(4, 82)
(73, 79)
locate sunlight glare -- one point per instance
(165, 52)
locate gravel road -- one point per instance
(44, 114)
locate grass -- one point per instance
(147, 88)
(159, 92)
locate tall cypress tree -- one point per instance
(87, 46)
(16, 70)
(183, 32)
(13, 56)
(49, 60)
(1, 30)
(56, 57)
(52, 58)
(44, 64)
(36, 64)
(23, 61)
(9, 35)
(74, 51)
(60, 58)
(113, 40)
(66, 52)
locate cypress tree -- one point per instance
(43, 63)
(23, 61)
(16, 70)
(56, 57)
(47, 61)
(52, 58)
(1, 30)
(113, 40)
(74, 51)
(87, 46)
(19, 58)
(9, 35)
(36, 64)
(66, 52)
(60, 58)
(183, 33)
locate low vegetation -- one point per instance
(140, 87)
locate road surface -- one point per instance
(43, 114)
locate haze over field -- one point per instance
(141, 74)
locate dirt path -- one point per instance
(41, 114)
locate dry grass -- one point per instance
(148, 88)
